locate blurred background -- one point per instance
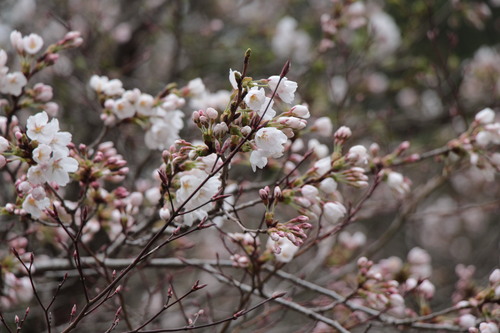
(391, 70)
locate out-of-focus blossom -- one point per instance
(290, 42)
(386, 35)
(397, 182)
(323, 126)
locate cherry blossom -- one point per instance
(286, 88)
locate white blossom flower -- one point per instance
(32, 43)
(13, 83)
(323, 126)
(59, 166)
(488, 328)
(190, 182)
(42, 153)
(97, 83)
(113, 87)
(310, 192)
(427, 289)
(232, 78)
(319, 149)
(164, 130)
(290, 42)
(396, 182)
(123, 109)
(323, 165)
(286, 88)
(255, 98)
(266, 110)
(485, 116)
(196, 87)
(328, 185)
(353, 241)
(358, 154)
(283, 249)
(495, 277)
(35, 207)
(3, 58)
(340, 87)
(40, 129)
(144, 104)
(258, 159)
(387, 36)
(16, 39)
(269, 142)
(300, 111)
(4, 144)
(333, 211)
(467, 320)
(60, 142)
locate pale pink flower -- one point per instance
(467, 320)
(269, 142)
(328, 185)
(266, 110)
(283, 249)
(4, 144)
(485, 116)
(43, 92)
(59, 167)
(98, 83)
(3, 58)
(196, 87)
(144, 104)
(35, 207)
(310, 192)
(323, 126)
(427, 289)
(322, 166)
(40, 129)
(164, 130)
(164, 213)
(232, 78)
(13, 83)
(488, 327)
(32, 43)
(334, 211)
(300, 111)
(16, 39)
(358, 155)
(190, 182)
(123, 109)
(352, 241)
(255, 98)
(397, 182)
(42, 153)
(113, 87)
(495, 276)
(286, 88)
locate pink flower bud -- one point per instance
(164, 214)
(212, 113)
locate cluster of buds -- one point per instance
(293, 230)
(106, 164)
(378, 291)
(249, 243)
